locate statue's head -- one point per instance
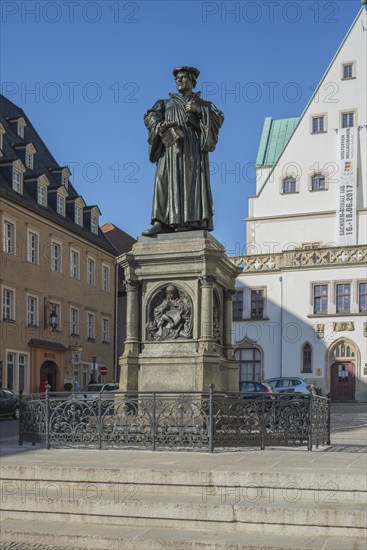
(185, 78)
(171, 292)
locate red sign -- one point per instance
(103, 370)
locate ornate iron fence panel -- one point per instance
(167, 420)
(320, 426)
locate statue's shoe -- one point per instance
(157, 228)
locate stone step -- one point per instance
(226, 513)
(99, 537)
(316, 487)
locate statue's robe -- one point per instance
(182, 195)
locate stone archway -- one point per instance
(49, 372)
(343, 369)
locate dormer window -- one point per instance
(60, 205)
(2, 132)
(65, 180)
(21, 124)
(94, 224)
(17, 181)
(78, 215)
(29, 159)
(42, 194)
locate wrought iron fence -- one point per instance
(170, 420)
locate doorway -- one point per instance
(342, 381)
(48, 371)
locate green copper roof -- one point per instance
(274, 138)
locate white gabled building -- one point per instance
(300, 306)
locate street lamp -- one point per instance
(53, 317)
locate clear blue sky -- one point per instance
(96, 67)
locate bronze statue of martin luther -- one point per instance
(182, 130)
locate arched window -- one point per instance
(307, 358)
(249, 364)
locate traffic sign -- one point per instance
(103, 370)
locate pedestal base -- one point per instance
(179, 315)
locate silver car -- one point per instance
(291, 384)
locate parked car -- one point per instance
(9, 404)
(92, 391)
(291, 384)
(251, 389)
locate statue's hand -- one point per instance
(192, 106)
(167, 124)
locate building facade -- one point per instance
(57, 269)
(300, 306)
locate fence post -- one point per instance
(99, 424)
(20, 440)
(309, 446)
(328, 442)
(47, 413)
(154, 427)
(263, 423)
(211, 418)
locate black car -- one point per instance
(251, 389)
(9, 404)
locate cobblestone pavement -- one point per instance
(348, 428)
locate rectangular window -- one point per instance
(17, 181)
(23, 371)
(342, 295)
(74, 321)
(91, 267)
(42, 195)
(105, 330)
(10, 371)
(8, 304)
(91, 326)
(257, 304)
(318, 182)
(238, 305)
(320, 299)
(60, 205)
(105, 278)
(9, 238)
(78, 218)
(318, 124)
(74, 264)
(347, 120)
(32, 248)
(347, 71)
(20, 129)
(362, 297)
(94, 224)
(289, 185)
(32, 311)
(29, 160)
(56, 257)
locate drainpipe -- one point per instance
(116, 327)
(281, 327)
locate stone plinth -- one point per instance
(179, 314)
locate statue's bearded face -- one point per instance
(184, 83)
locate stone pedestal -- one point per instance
(179, 314)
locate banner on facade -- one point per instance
(346, 210)
(76, 357)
